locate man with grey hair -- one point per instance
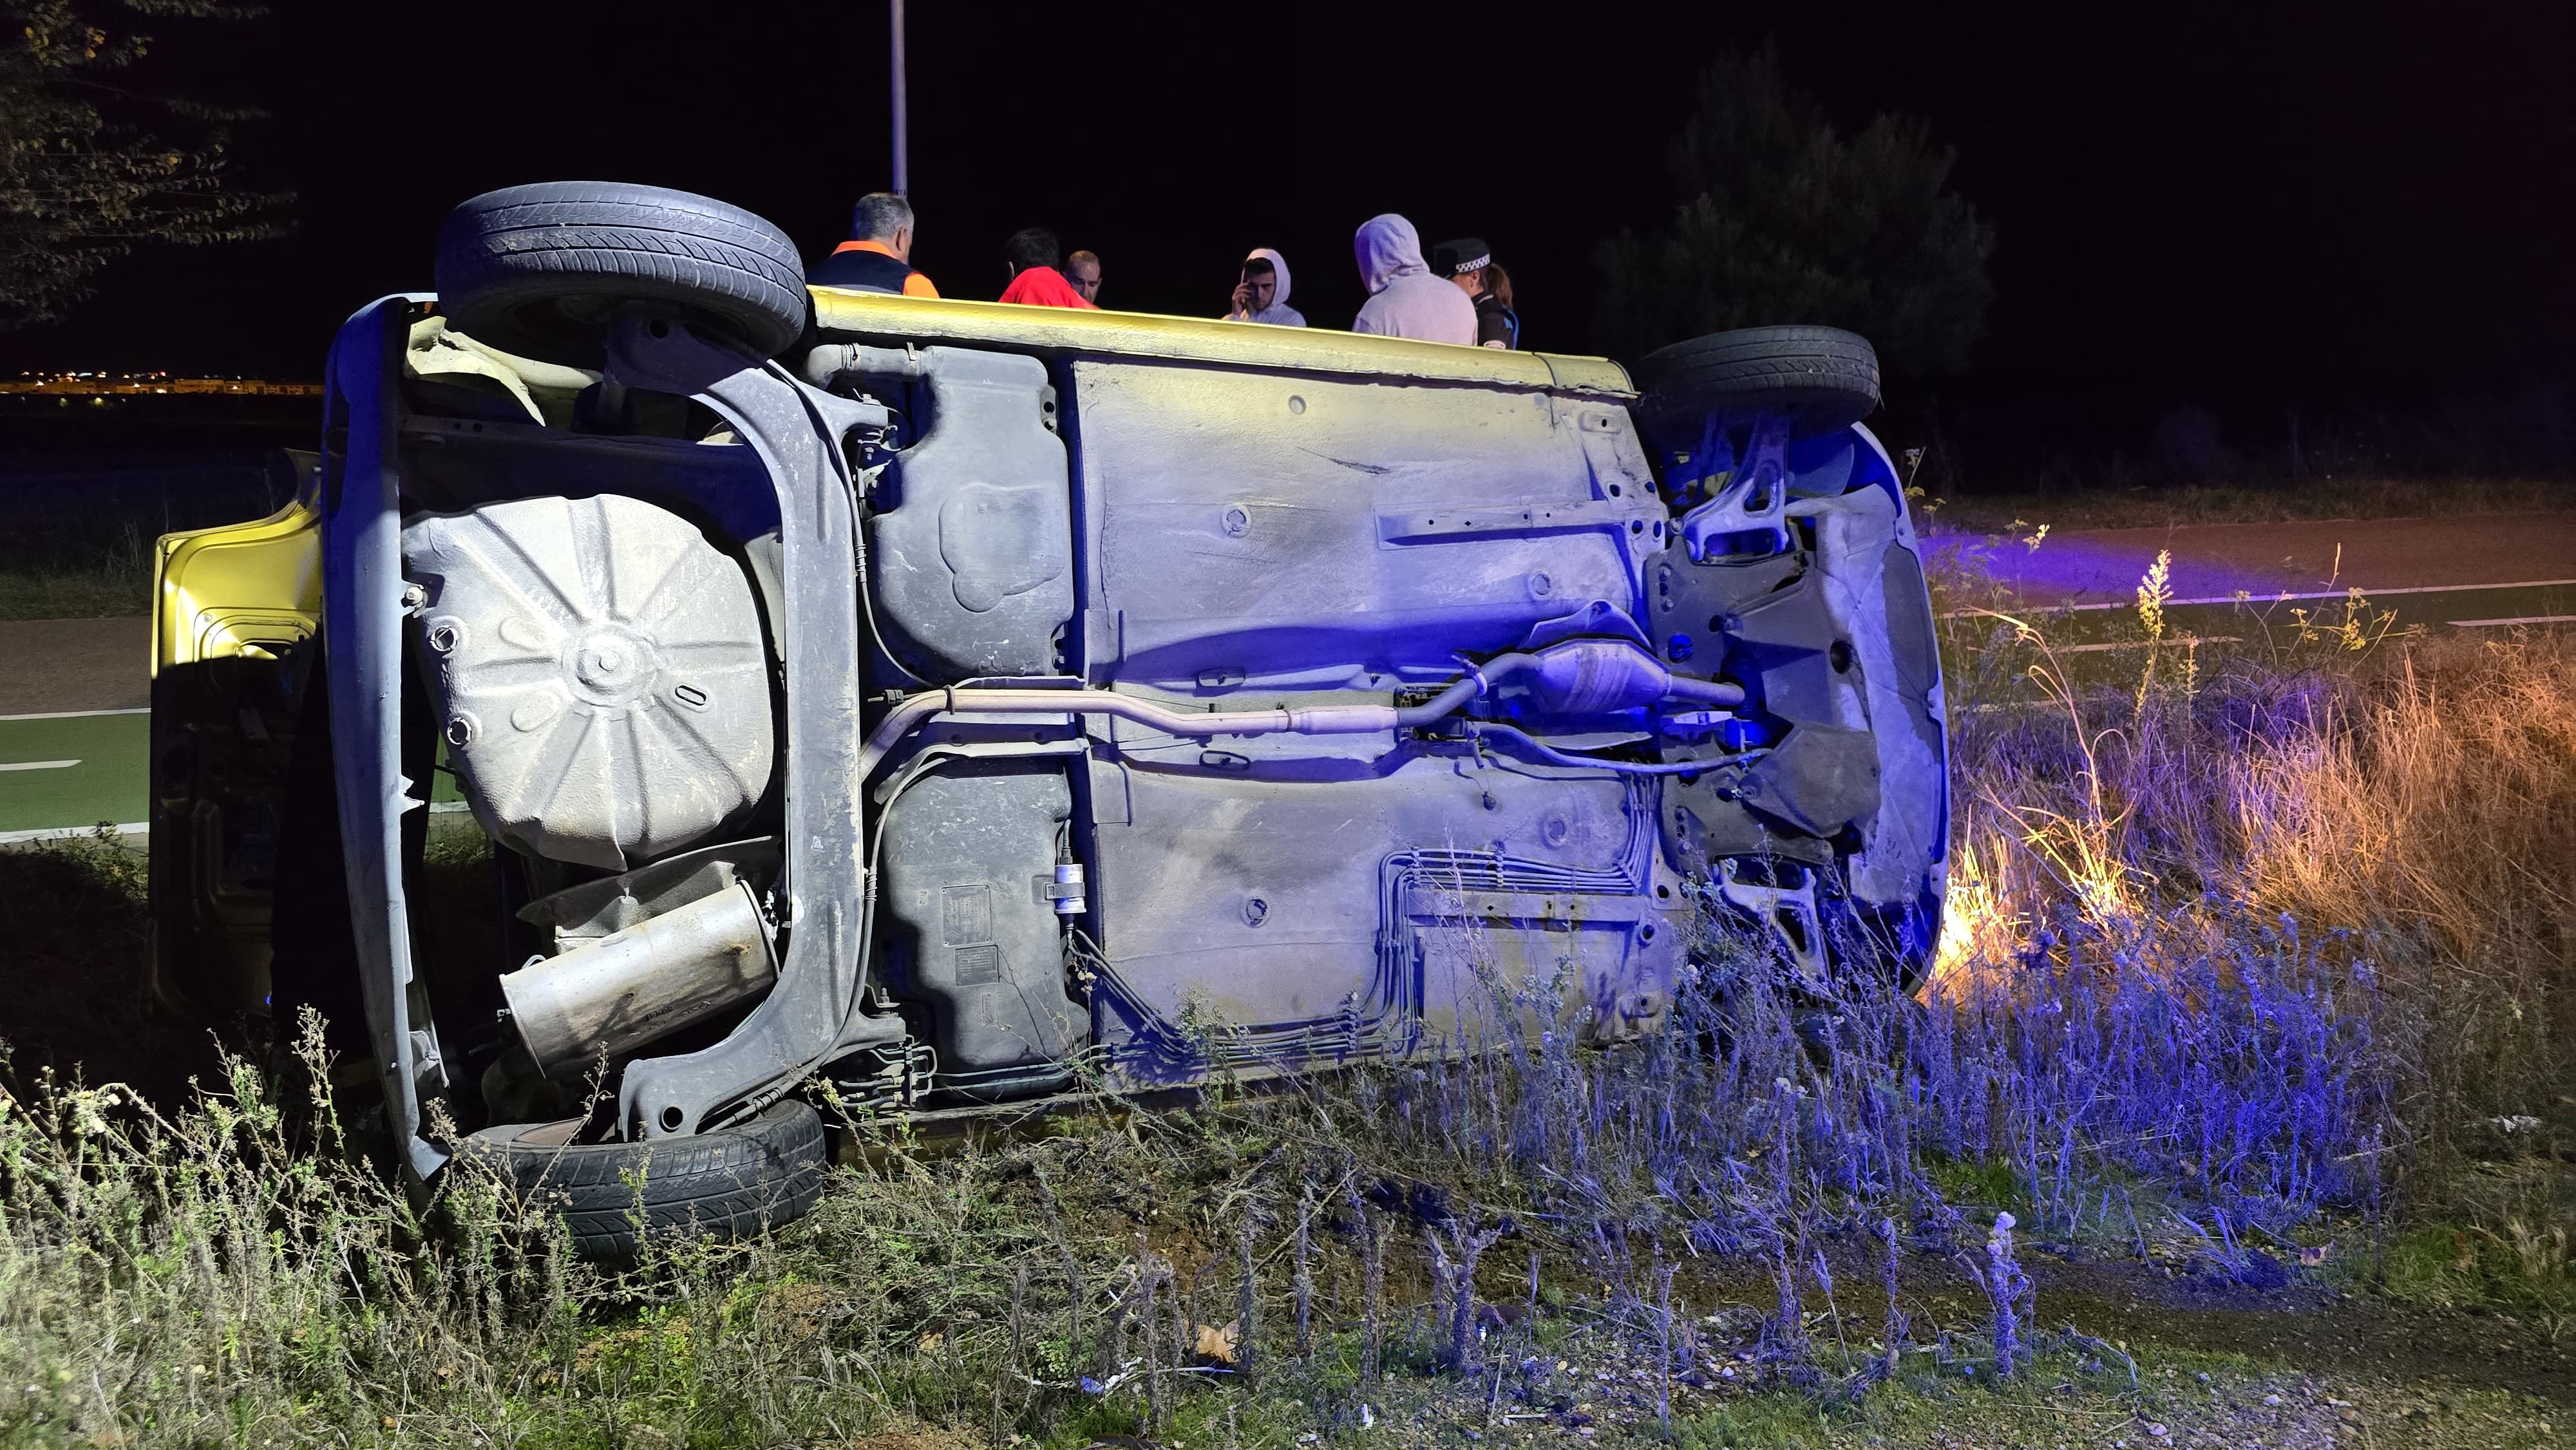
(879, 258)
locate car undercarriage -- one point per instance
(959, 704)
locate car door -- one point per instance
(235, 610)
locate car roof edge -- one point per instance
(840, 313)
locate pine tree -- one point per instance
(1780, 219)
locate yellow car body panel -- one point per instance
(238, 588)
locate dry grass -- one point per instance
(2440, 795)
(2417, 793)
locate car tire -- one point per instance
(728, 1183)
(1823, 378)
(540, 270)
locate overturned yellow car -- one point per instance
(958, 703)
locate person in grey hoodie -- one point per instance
(1262, 293)
(1405, 299)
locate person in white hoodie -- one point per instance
(1261, 295)
(1405, 299)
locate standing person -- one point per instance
(1405, 299)
(1498, 285)
(1082, 269)
(1032, 254)
(1469, 264)
(880, 259)
(1261, 291)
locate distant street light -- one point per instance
(902, 168)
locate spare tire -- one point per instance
(540, 270)
(723, 1184)
(1823, 378)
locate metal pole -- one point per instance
(902, 169)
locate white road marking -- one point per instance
(2253, 598)
(2520, 619)
(40, 765)
(2090, 649)
(79, 715)
(75, 714)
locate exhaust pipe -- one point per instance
(632, 986)
(1578, 677)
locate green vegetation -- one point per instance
(98, 594)
(78, 578)
(226, 1275)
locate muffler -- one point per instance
(625, 989)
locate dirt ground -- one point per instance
(52, 665)
(2362, 1336)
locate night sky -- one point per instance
(2247, 206)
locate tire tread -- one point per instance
(506, 251)
(1823, 377)
(728, 1183)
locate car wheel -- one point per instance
(540, 270)
(1823, 378)
(725, 1184)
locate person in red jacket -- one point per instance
(1033, 254)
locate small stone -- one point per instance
(2273, 1400)
(2158, 1430)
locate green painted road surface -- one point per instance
(72, 772)
(76, 770)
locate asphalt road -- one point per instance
(74, 735)
(2215, 561)
(2248, 581)
(55, 666)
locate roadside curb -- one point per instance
(143, 828)
(66, 833)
